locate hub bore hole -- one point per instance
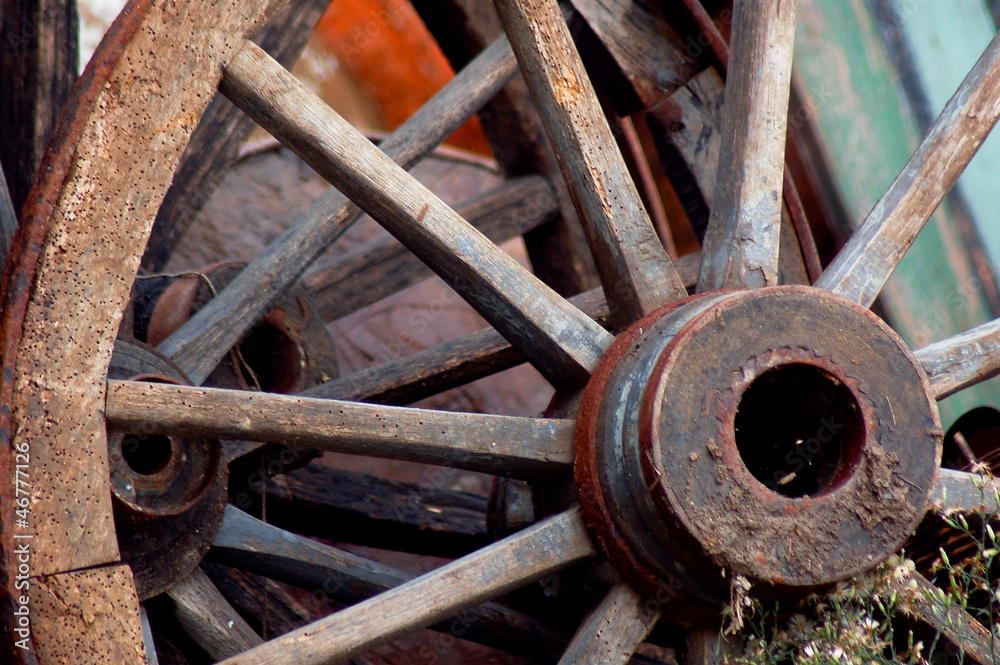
(146, 454)
(799, 430)
(274, 358)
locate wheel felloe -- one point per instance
(783, 434)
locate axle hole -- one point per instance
(274, 357)
(146, 454)
(799, 430)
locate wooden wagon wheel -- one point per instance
(673, 443)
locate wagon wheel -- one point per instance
(673, 443)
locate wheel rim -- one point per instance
(55, 246)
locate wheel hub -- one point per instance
(783, 434)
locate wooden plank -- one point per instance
(206, 337)
(504, 566)
(374, 270)
(962, 361)
(562, 342)
(456, 362)
(38, 66)
(635, 271)
(966, 492)
(558, 250)
(252, 545)
(223, 130)
(351, 507)
(506, 445)
(742, 242)
(863, 266)
(842, 64)
(613, 630)
(87, 616)
(208, 618)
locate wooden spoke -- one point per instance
(504, 566)
(209, 619)
(223, 130)
(354, 507)
(457, 362)
(147, 637)
(562, 342)
(635, 271)
(963, 360)
(519, 447)
(251, 545)
(862, 267)
(202, 341)
(612, 631)
(381, 267)
(741, 245)
(269, 609)
(954, 624)
(967, 492)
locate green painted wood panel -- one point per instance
(868, 133)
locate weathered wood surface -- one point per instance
(208, 618)
(374, 270)
(252, 545)
(84, 617)
(611, 631)
(352, 507)
(742, 241)
(635, 271)
(562, 342)
(962, 361)
(38, 66)
(223, 130)
(493, 571)
(457, 362)
(967, 492)
(558, 250)
(267, 608)
(204, 339)
(873, 252)
(507, 445)
(84, 227)
(954, 624)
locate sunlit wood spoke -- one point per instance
(967, 492)
(456, 362)
(251, 545)
(963, 360)
(954, 624)
(209, 619)
(635, 271)
(612, 631)
(382, 267)
(490, 572)
(562, 342)
(520, 447)
(201, 342)
(862, 267)
(741, 244)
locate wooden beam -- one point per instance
(963, 360)
(208, 618)
(506, 445)
(613, 630)
(504, 566)
(742, 242)
(636, 273)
